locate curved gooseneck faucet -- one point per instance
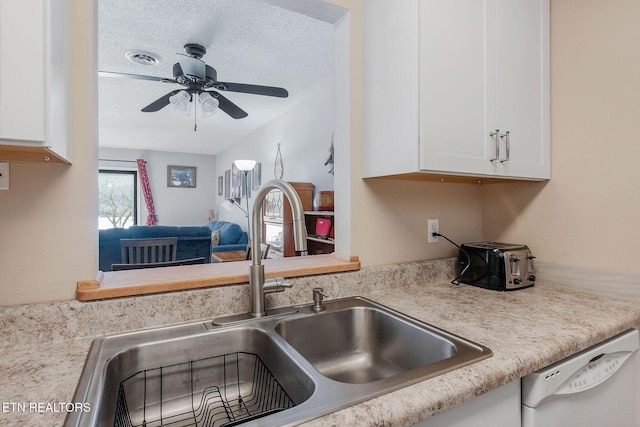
(256, 270)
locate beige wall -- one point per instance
(48, 226)
(589, 213)
(48, 235)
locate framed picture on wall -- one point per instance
(181, 176)
(246, 188)
(220, 185)
(236, 181)
(227, 183)
(256, 177)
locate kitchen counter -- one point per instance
(40, 362)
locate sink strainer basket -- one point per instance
(217, 391)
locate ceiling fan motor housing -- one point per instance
(211, 76)
(195, 50)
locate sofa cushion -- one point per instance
(230, 233)
(215, 238)
(225, 248)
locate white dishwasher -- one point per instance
(594, 388)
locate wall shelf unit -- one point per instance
(319, 244)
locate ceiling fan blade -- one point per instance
(160, 103)
(229, 107)
(192, 67)
(253, 89)
(135, 76)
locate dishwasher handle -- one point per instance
(594, 373)
(571, 375)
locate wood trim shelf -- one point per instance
(115, 284)
(457, 179)
(25, 153)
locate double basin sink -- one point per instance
(277, 370)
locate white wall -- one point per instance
(304, 133)
(174, 206)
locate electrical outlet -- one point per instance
(434, 227)
(4, 175)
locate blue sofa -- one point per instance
(193, 242)
(232, 238)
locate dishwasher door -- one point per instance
(596, 387)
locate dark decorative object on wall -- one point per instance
(181, 176)
(330, 159)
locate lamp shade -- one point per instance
(245, 165)
(180, 101)
(209, 104)
(209, 214)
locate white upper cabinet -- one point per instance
(34, 75)
(457, 87)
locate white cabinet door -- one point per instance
(457, 87)
(457, 92)
(484, 87)
(35, 69)
(22, 70)
(390, 87)
(522, 76)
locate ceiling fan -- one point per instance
(199, 80)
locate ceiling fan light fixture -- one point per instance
(181, 102)
(208, 104)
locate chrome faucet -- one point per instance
(256, 270)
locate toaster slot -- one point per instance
(514, 262)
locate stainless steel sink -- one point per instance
(364, 344)
(276, 370)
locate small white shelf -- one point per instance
(321, 240)
(319, 213)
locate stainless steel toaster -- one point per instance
(495, 265)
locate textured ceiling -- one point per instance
(247, 41)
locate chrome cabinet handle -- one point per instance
(495, 136)
(507, 146)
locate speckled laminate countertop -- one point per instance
(41, 361)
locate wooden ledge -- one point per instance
(457, 179)
(26, 153)
(115, 284)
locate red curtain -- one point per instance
(146, 190)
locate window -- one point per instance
(117, 199)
